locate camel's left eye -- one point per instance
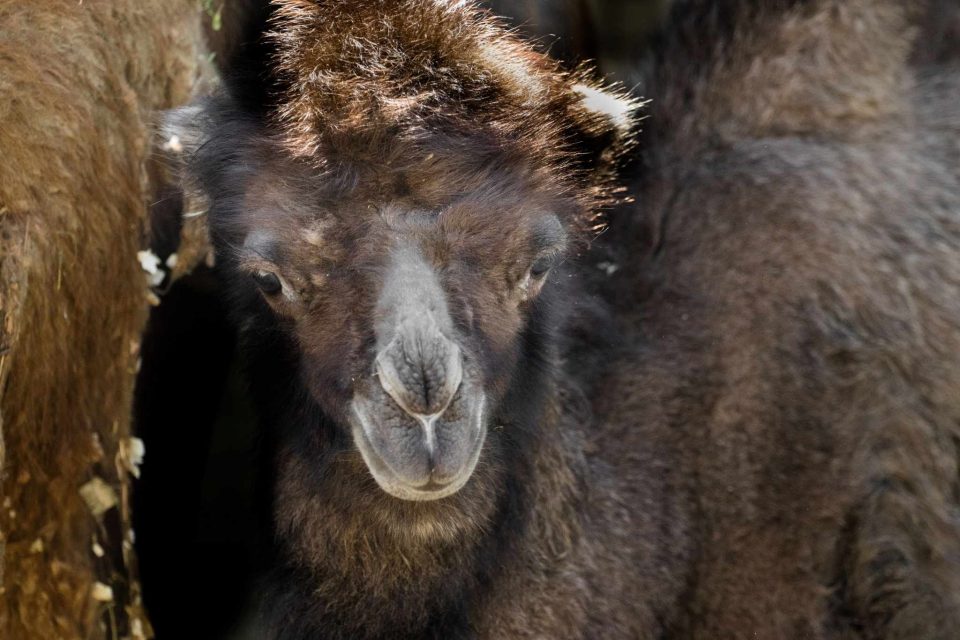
(268, 282)
(541, 266)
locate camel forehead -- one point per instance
(273, 230)
(314, 205)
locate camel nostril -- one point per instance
(421, 372)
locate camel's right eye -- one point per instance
(268, 282)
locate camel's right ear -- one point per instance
(178, 136)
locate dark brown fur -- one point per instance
(799, 275)
(78, 83)
(940, 39)
(754, 437)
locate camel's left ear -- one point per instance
(605, 120)
(613, 110)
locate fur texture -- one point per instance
(750, 433)
(795, 255)
(348, 75)
(78, 83)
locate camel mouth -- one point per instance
(419, 458)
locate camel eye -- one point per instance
(268, 282)
(541, 266)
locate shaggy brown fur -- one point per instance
(353, 76)
(78, 82)
(757, 436)
(798, 282)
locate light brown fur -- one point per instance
(78, 84)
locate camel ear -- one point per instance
(613, 110)
(180, 132)
(178, 136)
(604, 122)
(177, 224)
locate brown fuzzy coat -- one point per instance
(792, 275)
(78, 85)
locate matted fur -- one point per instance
(78, 84)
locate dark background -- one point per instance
(612, 33)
